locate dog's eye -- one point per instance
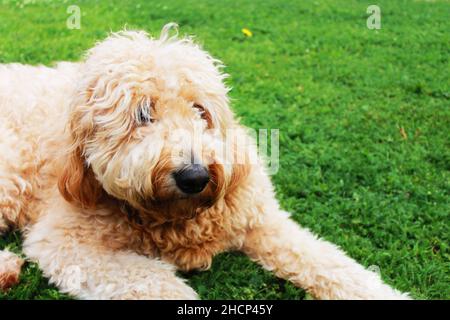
(143, 115)
(200, 110)
(204, 113)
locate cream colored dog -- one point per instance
(108, 209)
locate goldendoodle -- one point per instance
(99, 170)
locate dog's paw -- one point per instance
(10, 265)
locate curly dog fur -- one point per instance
(86, 172)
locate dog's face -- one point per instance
(149, 126)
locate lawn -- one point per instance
(364, 120)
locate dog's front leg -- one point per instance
(295, 254)
(85, 270)
(88, 273)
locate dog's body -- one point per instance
(82, 174)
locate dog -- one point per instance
(112, 199)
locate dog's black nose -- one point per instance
(192, 179)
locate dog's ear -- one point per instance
(77, 183)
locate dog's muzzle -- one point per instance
(192, 179)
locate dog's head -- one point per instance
(150, 126)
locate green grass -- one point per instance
(340, 94)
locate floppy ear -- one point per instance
(77, 183)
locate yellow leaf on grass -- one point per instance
(247, 32)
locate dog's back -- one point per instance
(27, 92)
(33, 104)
